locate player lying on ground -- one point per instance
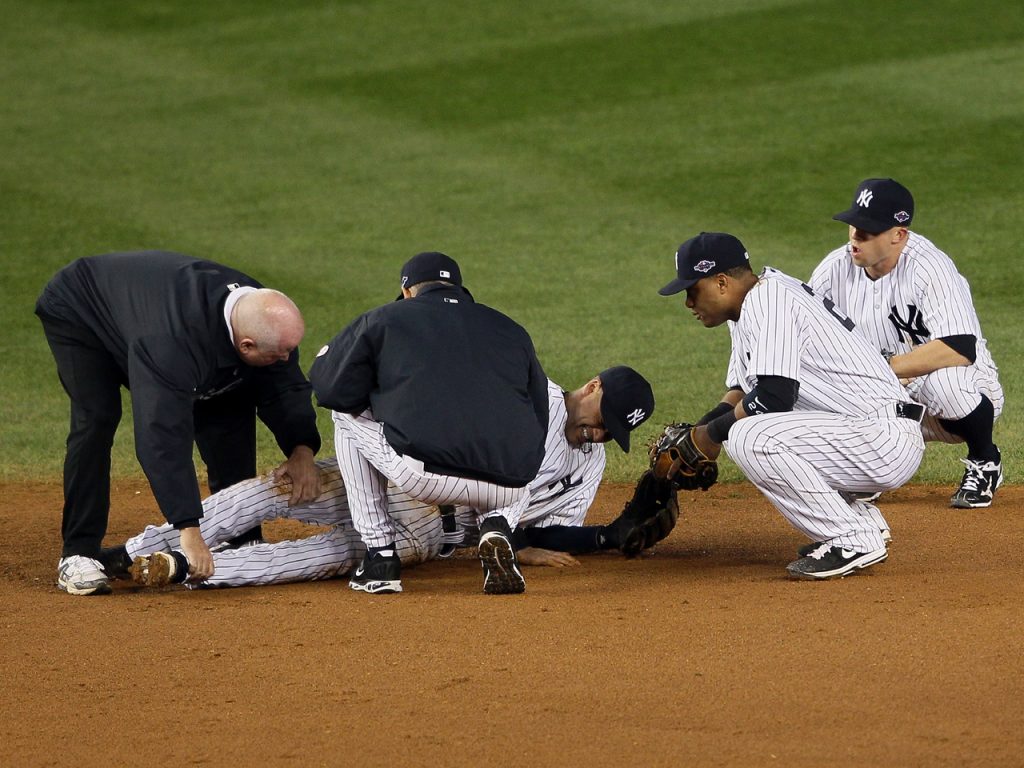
(153, 557)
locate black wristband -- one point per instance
(183, 524)
(719, 410)
(718, 430)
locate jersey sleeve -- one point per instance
(285, 405)
(944, 299)
(162, 408)
(344, 372)
(734, 375)
(823, 278)
(769, 320)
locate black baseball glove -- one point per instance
(675, 458)
(646, 519)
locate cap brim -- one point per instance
(618, 431)
(676, 286)
(855, 218)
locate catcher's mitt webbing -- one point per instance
(676, 458)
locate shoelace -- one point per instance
(974, 477)
(821, 551)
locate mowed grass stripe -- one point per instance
(326, 195)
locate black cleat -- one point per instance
(829, 562)
(378, 574)
(978, 486)
(498, 558)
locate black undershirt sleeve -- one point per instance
(574, 539)
(773, 394)
(965, 344)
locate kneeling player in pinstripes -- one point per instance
(913, 305)
(813, 415)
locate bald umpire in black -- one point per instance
(203, 349)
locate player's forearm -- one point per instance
(575, 539)
(926, 359)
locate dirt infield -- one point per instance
(701, 654)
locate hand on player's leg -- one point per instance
(200, 560)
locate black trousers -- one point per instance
(225, 432)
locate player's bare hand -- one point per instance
(710, 448)
(539, 556)
(301, 471)
(200, 561)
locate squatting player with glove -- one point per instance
(813, 415)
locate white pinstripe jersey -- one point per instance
(567, 481)
(923, 298)
(786, 330)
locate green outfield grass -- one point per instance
(559, 150)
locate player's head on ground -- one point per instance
(266, 326)
(609, 406)
(714, 270)
(428, 268)
(878, 219)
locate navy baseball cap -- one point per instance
(706, 254)
(878, 205)
(429, 266)
(627, 401)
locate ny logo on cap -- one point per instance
(864, 198)
(636, 417)
(704, 266)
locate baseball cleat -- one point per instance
(116, 562)
(829, 562)
(978, 485)
(159, 569)
(80, 575)
(810, 546)
(378, 574)
(501, 569)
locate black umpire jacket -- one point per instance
(456, 384)
(161, 316)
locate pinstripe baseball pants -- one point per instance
(801, 460)
(332, 551)
(367, 462)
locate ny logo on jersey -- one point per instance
(864, 198)
(566, 484)
(913, 325)
(636, 417)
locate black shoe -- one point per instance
(498, 558)
(378, 574)
(978, 486)
(829, 562)
(810, 546)
(115, 562)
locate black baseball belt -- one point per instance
(912, 411)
